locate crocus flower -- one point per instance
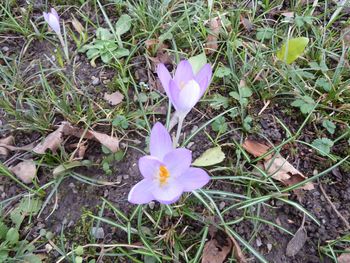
(53, 20)
(186, 88)
(166, 172)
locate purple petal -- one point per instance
(141, 193)
(174, 91)
(178, 161)
(54, 24)
(160, 142)
(164, 77)
(46, 17)
(149, 166)
(188, 96)
(193, 178)
(54, 12)
(169, 193)
(203, 77)
(184, 73)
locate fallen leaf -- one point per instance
(112, 143)
(277, 166)
(246, 23)
(52, 141)
(212, 39)
(283, 171)
(114, 98)
(77, 25)
(25, 171)
(297, 242)
(219, 247)
(9, 140)
(288, 14)
(292, 49)
(345, 257)
(256, 149)
(210, 157)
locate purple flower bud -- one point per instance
(185, 89)
(53, 20)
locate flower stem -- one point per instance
(178, 132)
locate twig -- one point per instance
(346, 223)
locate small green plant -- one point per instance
(305, 104)
(108, 45)
(324, 145)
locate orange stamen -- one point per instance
(163, 174)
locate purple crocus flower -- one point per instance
(166, 172)
(53, 20)
(186, 88)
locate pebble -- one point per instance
(269, 247)
(1, 188)
(190, 144)
(5, 48)
(222, 205)
(119, 179)
(95, 81)
(106, 193)
(126, 176)
(48, 247)
(98, 232)
(258, 242)
(151, 205)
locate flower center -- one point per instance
(163, 175)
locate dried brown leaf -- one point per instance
(114, 98)
(345, 257)
(112, 143)
(9, 140)
(212, 39)
(281, 170)
(256, 149)
(277, 166)
(219, 247)
(77, 25)
(246, 23)
(52, 141)
(297, 242)
(25, 171)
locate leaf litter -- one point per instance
(25, 171)
(277, 166)
(55, 139)
(220, 245)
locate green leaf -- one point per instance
(210, 157)
(197, 62)
(219, 101)
(121, 52)
(79, 250)
(264, 33)
(3, 230)
(12, 236)
(78, 260)
(104, 34)
(17, 217)
(220, 125)
(123, 24)
(291, 50)
(247, 123)
(324, 145)
(121, 122)
(3, 255)
(324, 84)
(65, 167)
(31, 258)
(330, 126)
(222, 72)
(30, 205)
(245, 92)
(305, 104)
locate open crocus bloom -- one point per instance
(186, 88)
(53, 20)
(166, 172)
